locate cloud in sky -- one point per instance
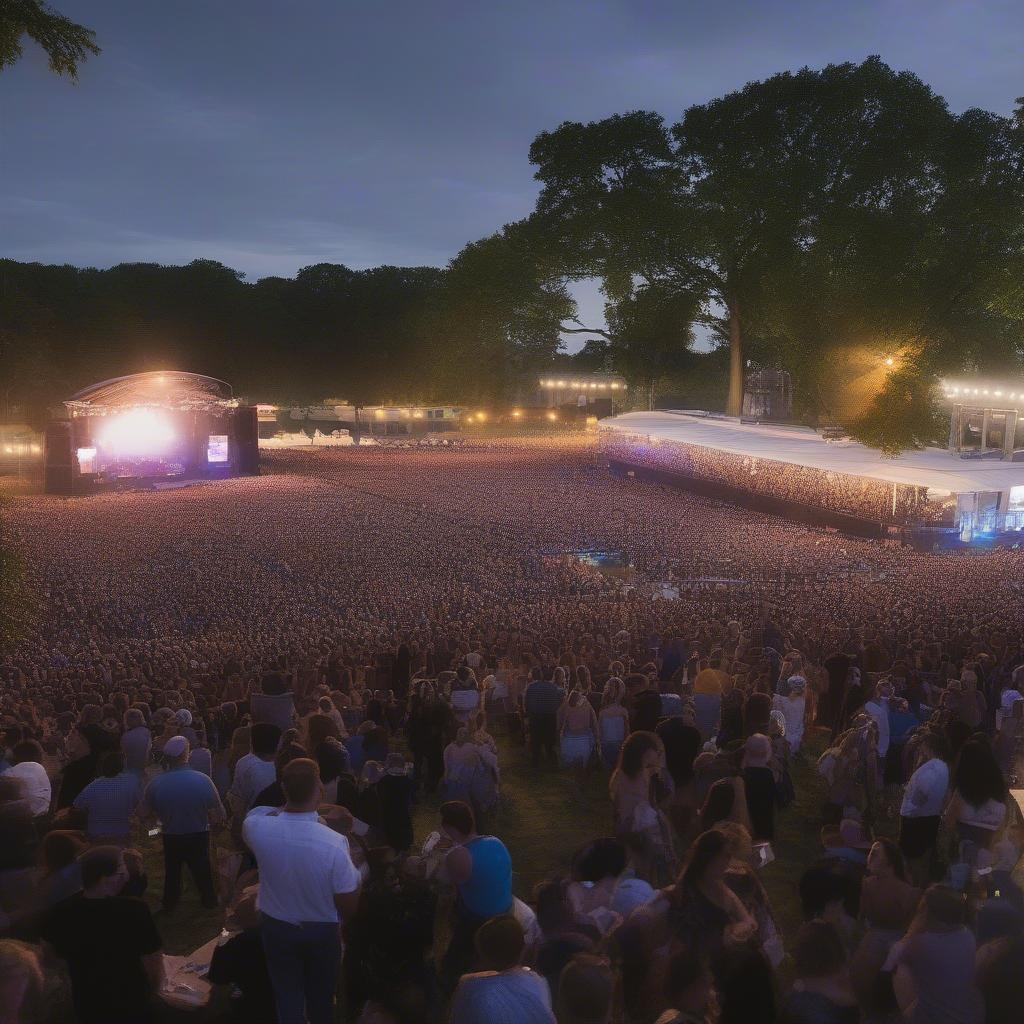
(273, 135)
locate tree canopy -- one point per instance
(66, 43)
(823, 221)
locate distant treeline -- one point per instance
(378, 335)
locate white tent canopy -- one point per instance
(801, 446)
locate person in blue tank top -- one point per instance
(481, 870)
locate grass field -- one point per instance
(544, 818)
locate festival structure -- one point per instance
(793, 470)
(149, 429)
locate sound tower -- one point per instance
(247, 444)
(58, 459)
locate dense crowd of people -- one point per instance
(264, 676)
(838, 492)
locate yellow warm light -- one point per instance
(418, 414)
(889, 361)
(516, 413)
(482, 417)
(552, 416)
(561, 383)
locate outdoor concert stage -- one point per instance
(149, 429)
(795, 472)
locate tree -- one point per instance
(904, 414)
(650, 335)
(818, 215)
(610, 208)
(502, 307)
(67, 44)
(594, 357)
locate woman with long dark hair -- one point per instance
(703, 910)
(978, 805)
(726, 801)
(638, 821)
(888, 903)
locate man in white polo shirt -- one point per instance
(308, 886)
(923, 802)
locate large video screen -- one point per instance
(217, 448)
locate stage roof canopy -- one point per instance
(803, 446)
(168, 388)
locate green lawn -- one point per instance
(544, 818)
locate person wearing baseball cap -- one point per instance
(185, 802)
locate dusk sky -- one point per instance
(272, 134)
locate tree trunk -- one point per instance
(734, 403)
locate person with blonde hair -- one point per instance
(577, 725)
(612, 722)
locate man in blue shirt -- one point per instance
(481, 869)
(185, 802)
(542, 701)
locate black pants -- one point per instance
(461, 952)
(918, 835)
(192, 850)
(543, 739)
(428, 767)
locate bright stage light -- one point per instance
(889, 361)
(86, 460)
(136, 432)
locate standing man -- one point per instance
(136, 742)
(542, 701)
(256, 770)
(924, 800)
(110, 943)
(481, 869)
(308, 887)
(186, 803)
(109, 801)
(27, 767)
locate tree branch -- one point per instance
(585, 330)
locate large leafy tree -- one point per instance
(67, 44)
(501, 308)
(826, 219)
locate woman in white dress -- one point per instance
(465, 695)
(578, 730)
(462, 762)
(613, 721)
